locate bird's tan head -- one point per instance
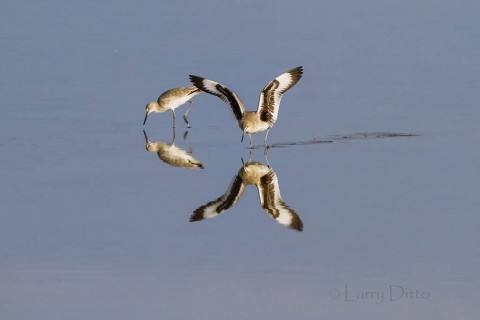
(245, 125)
(150, 107)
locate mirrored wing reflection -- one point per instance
(173, 155)
(266, 181)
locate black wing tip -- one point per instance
(197, 215)
(198, 82)
(297, 225)
(191, 76)
(197, 165)
(296, 72)
(195, 79)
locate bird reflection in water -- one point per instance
(173, 155)
(266, 181)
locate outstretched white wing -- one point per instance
(272, 202)
(224, 202)
(216, 89)
(270, 97)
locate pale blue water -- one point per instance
(95, 227)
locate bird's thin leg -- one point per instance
(174, 117)
(185, 139)
(173, 135)
(265, 155)
(145, 135)
(251, 143)
(265, 141)
(186, 112)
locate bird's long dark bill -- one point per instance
(145, 120)
(243, 135)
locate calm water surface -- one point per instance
(375, 150)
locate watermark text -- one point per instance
(390, 293)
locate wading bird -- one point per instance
(267, 111)
(266, 181)
(173, 155)
(172, 99)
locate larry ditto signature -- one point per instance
(391, 294)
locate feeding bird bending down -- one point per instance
(172, 99)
